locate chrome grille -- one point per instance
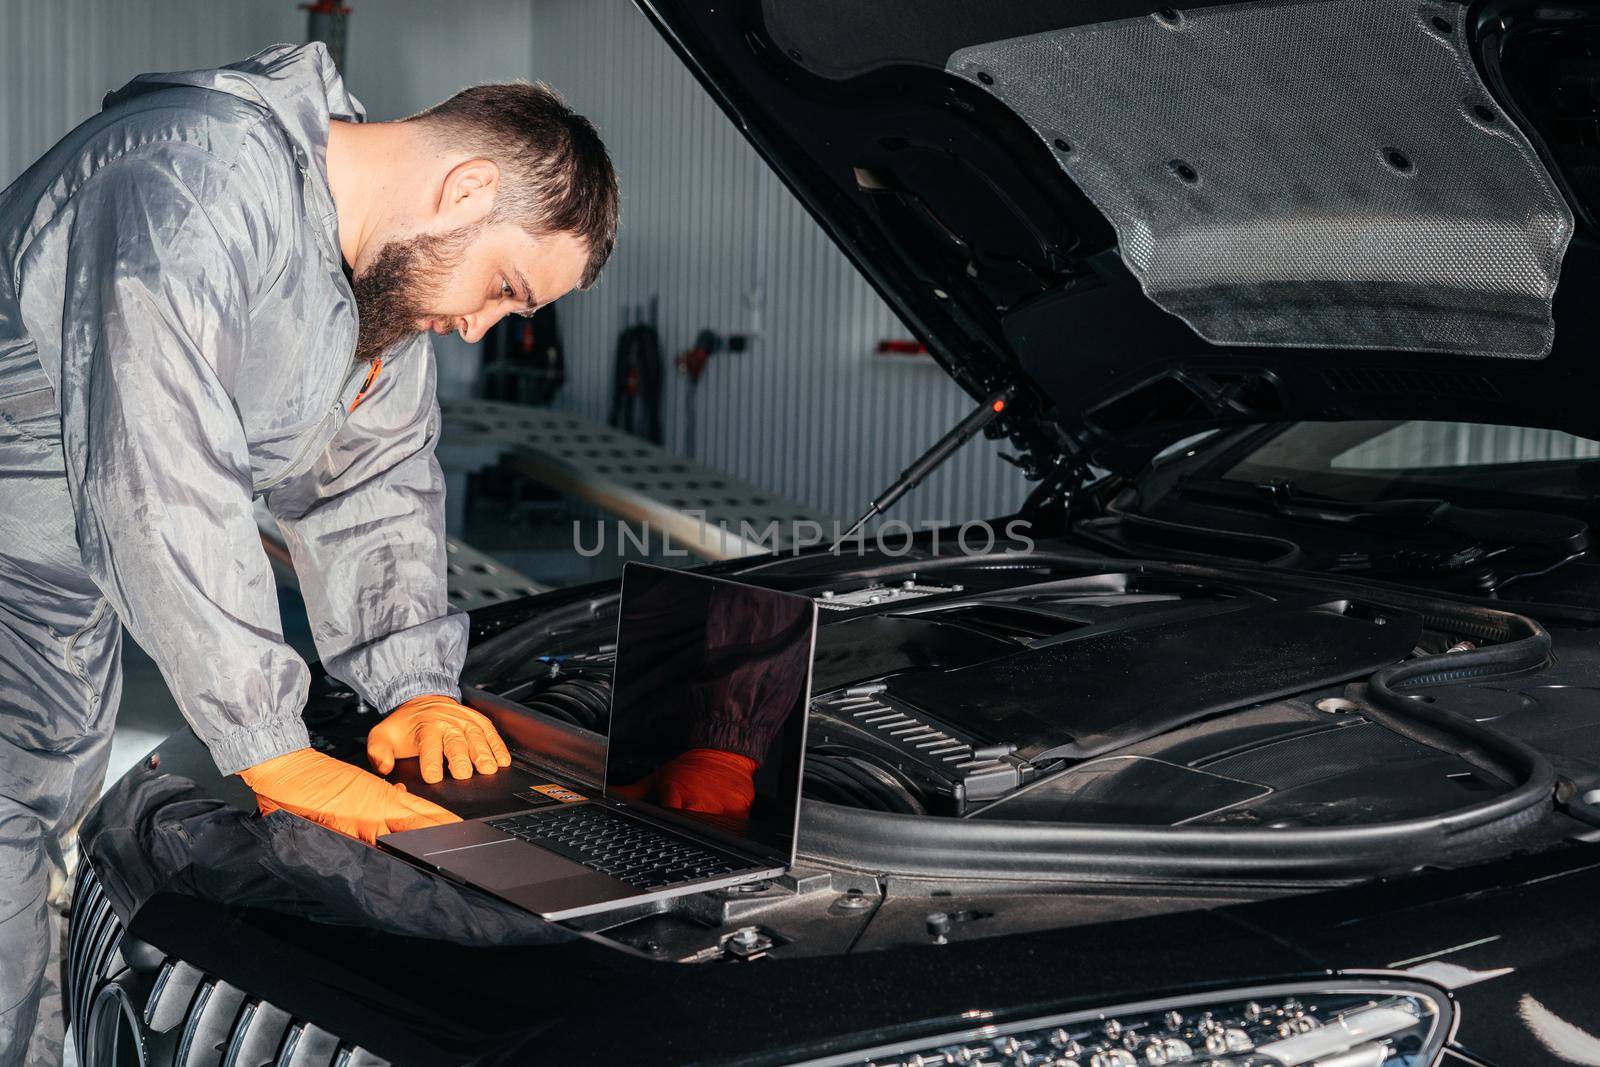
(174, 1014)
(94, 940)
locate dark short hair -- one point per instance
(556, 173)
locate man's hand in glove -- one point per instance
(439, 731)
(339, 796)
(701, 779)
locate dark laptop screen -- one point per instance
(708, 705)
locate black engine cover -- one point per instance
(1098, 688)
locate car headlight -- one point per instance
(1355, 1021)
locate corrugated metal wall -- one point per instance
(406, 55)
(58, 59)
(808, 411)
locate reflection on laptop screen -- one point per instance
(708, 704)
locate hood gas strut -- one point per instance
(933, 458)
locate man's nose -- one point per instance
(478, 325)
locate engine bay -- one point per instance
(1130, 697)
(1006, 743)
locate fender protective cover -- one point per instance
(156, 832)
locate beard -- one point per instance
(391, 292)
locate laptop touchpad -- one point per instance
(495, 867)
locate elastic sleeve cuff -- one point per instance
(248, 746)
(729, 735)
(416, 684)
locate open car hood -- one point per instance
(1158, 220)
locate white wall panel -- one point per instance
(58, 59)
(405, 55)
(808, 410)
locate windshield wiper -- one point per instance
(1486, 527)
(1284, 498)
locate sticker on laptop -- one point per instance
(550, 791)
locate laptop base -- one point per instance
(532, 877)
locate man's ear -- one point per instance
(468, 192)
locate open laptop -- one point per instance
(702, 664)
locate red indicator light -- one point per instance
(999, 405)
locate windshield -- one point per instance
(1364, 461)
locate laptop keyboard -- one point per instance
(626, 850)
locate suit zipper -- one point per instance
(337, 409)
(313, 438)
(372, 376)
(309, 183)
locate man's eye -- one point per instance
(506, 292)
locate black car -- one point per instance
(1264, 734)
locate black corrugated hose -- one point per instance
(581, 702)
(847, 780)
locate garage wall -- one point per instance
(405, 55)
(58, 59)
(809, 411)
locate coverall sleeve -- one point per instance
(756, 659)
(365, 527)
(154, 324)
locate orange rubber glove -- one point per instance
(438, 730)
(701, 779)
(334, 794)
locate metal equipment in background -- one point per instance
(692, 364)
(704, 512)
(524, 360)
(474, 579)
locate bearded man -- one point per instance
(219, 288)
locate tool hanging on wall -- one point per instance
(636, 384)
(692, 363)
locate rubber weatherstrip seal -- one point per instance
(1044, 852)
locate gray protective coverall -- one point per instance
(177, 337)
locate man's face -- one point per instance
(462, 281)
